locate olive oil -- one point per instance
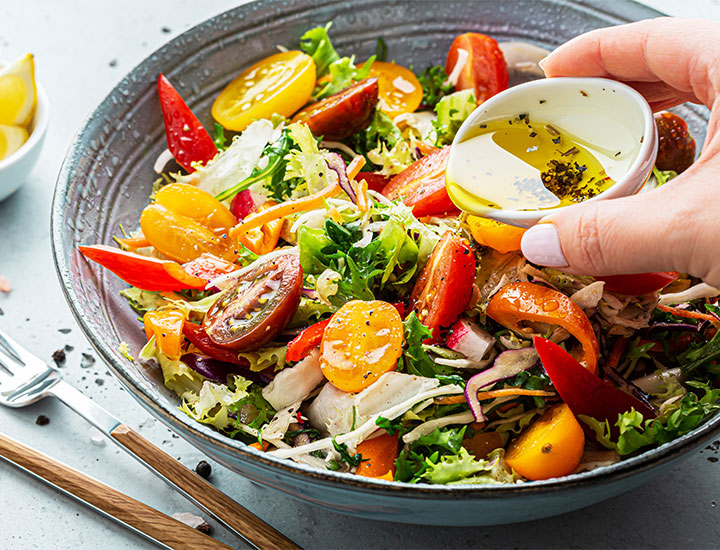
(522, 164)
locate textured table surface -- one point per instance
(83, 47)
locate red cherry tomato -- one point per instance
(676, 147)
(258, 306)
(485, 70)
(443, 290)
(422, 186)
(187, 139)
(638, 284)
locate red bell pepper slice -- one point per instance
(187, 139)
(638, 284)
(209, 267)
(142, 272)
(582, 390)
(301, 346)
(199, 338)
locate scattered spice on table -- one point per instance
(42, 420)
(203, 469)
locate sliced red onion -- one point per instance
(218, 371)
(310, 293)
(336, 163)
(628, 387)
(506, 365)
(671, 327)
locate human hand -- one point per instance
(677, 226)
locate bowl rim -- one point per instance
(39, 128)
(213, 441)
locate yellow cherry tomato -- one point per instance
(281, 83)
(362, 341)
(399, 89)
(551, 447)
(181, 238)
(502, 237)
(196, 204)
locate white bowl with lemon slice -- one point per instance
(24, 113)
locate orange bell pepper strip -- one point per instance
(503, 392)
(167, 327)
(263, 239)
(142, 272)
(518, 302)
(379, 454)
(687, 314)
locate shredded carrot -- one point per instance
(362, 198)
(133, 242)
(618, 348)
(425, 149)
(285, 209)
(454, 399)
(689, 314)
(264, 447)
(355, 166)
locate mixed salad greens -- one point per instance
(307, 286)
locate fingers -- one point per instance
(666, 229)
(680, 53)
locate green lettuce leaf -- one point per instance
(415, 359)
(316, 43)
(253, 410)
(343, 74)
(270, 356)
(178, 377)
(435, 85)
(452, 110)
(212, 405)
(305, 162)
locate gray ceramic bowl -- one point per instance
(107, 176)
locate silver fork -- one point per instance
(25, 379)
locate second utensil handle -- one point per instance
(206, 495)
(104, 498)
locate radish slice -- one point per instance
(508, 364)
(470, 340)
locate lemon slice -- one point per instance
(18, 95)
(11, 139)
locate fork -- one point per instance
(25, 379)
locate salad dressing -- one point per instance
(522, 164)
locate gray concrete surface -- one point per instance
(83, 48)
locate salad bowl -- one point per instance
(107, 176)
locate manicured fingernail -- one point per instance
(541, 245)
(541, 63)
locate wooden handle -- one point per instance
(239, 519)
(114, 503)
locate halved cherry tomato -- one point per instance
(142, 272)
(344, 113)
(485, 70)
(167, 327)
(399, 89)
(443, 290)
(187, 139)
(196, 204)
(379, 454)
(181, 238)
(638, 284)
(552, 446)
(376, 181)
(362, 341)
(281, 83)
(422, 186)
(199, 338)
(263, 239)
(310, 338)
(483, 443)
(258, 306)
(502, 237)
(519, 302)
(209, 267)
(676, 147)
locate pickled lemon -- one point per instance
(11, 139)
(18, 95)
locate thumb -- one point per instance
(636, 234)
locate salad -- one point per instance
(307, 286)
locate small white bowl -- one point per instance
(587, 107)
(15, 168)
